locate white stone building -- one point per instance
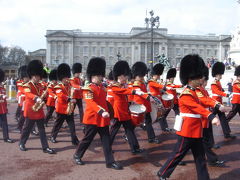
(72, 46)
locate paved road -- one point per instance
(35, 165)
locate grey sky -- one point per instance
(24, 22)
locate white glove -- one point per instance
(138, 92)
(222, 108)
(4, 97)
(216, 121)
(169, 88)
(39, 100)
(105, 114)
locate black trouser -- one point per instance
(163, 120)
(129, 130)
(80, 108)
(224, 123)
(208, 143)
(50, 110)
(4, 124)
(21, 121)
(90, 132)
(149, 128)
(28, 126)
(59, 122)
(233, 112)
(18, 112)
(181, 148)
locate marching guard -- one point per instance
(189, 131)
(122, 115)
(235, 96)
(217, 94)
(65, 104)
(76, 83)
(3, 109)
(33, 111)
(96, 116)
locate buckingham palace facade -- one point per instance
(72, 46)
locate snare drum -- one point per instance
(137, 113)
(167, 100)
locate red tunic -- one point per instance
(76, 84)
(95, 98)
(32, 91)
(189, 105)
(138, 85)
(63, 94)
(130, 97)
(155, 88)
(110, 97)
(51, 95)
(3, 101)
(173, 91)
(19, 85)
(217, 91)
(236, 92)
(121, 111)
(206, 101)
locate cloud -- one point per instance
(25, 22)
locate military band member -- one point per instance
(122, 115)
(217, 94)
(96, 116)
(52, 97)
(208, 102)
(34, 96)
(171, 74)
(236, 96)
(189, 135)
(77, 83)
(139, 70)
(111, 81)
(18, 85)
(3, 109)
(65, 104)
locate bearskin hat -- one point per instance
(121, 68)
(53, 75)
(96, 66)
(206, 72)
(191, 67)
(110, 76)
(45, 74)
(77, 68)
(171, 73)
(2, 75)
(63, 71)
(22, 72)
(34, 68)
(218, 68)
(157, 69)
(237, 71)
(139, 69)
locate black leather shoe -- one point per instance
(160, 177)
(216, 146)
(182, 163)
(49, 151)
(156, 141)
(217, 163)
(229, 136)
(125, 137)
(115, 166)
(75, 142)
(78, 160)
(53, 140)
(143, 126)
(35, 133)
(8, 140)
(22, 147)
(137, 151)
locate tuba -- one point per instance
(70, 107)
(38, 105)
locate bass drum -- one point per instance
(167, 100)
(158, 110)
(137, 113)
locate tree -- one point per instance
(3, 53)
(17, 55)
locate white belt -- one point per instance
(215, 95)
(190, 115)
(50, 96)
(236, 93)
(109, 96)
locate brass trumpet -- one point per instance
(38, 105)
(70, 107)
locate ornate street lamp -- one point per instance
(153, 22)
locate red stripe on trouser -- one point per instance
(179, 150)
